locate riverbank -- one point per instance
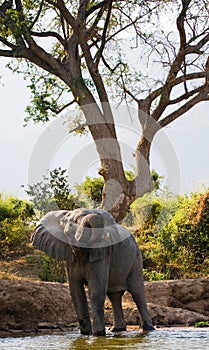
(33, 306)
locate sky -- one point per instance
(180, 152)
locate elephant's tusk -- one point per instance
(106, 236)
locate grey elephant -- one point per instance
(99, 253)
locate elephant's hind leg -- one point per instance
(135, 285)
(119, 323)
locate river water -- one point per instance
(161, 339)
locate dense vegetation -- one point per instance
(15, 225)
(174, 235)
(172, 232)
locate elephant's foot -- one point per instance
(147, 327)
(85, 327)
(99, 333)
(118, 329)
(86, 332)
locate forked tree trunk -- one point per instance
(119, 193)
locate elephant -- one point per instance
(98, 253)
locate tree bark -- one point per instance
(119, 193)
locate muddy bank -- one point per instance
(41, 306)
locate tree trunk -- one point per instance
(118, 192)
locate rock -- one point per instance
(192, 294)
(31, 305)
(170, 316)
(37, 306)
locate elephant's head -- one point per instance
(95, 229)
(81, 228)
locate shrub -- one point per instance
(15, 215)
(89, 193)
(51, 270)
(179, 247)
(53, 193)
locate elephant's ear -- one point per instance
(49, 237)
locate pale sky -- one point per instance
(180, 152)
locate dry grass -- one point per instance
(21, 267)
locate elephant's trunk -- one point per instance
(94, 220)
(91, 229)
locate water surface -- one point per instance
(162, 339)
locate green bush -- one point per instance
(175, 246)
(89, 193)
(53, 193)
(51, 270)
(202, 324)
(15, 217)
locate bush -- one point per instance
(15, 215)
(51, 270)
(179, 247)
(89, 193)
(53, 193)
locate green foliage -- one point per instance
(150, 211)
(58, 182)
(53, 193)
(47, 92)
(154, 275)
(89, 193)
(202, 324)
(15, 215)
(51, 270)
(174, 235)
(156, 180)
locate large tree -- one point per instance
(79, 48)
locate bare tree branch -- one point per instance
(202, 42)
(49, 34)
(180, 23)
(65, 106)
(191, 76)
(64, 11)
(7, 43)
(5, 6)
(38, 15)
(6, 53)
(82, 10)
(128, 92)
(202, 96)
(93, 28)
(103, 41)
(187, 95)
(95, 8)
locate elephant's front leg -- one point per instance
(79, 298)
(81, 306)
(98, 282)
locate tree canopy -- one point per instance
(81, 52)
